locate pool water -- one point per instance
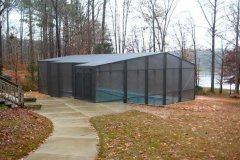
(103, 95)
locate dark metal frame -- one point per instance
(125, 78)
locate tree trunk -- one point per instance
(50, 37)
(103, 22)
(7, 33)
(66, 36)
(44, 30)
(93, 24)
(57, 30)
(115, 26)
(213, 63)
(237, 76)
(126, 4)
(88, 29)
(213, 47)
(195, 53)
(31, 36)
(153, 28)
(21, 36)
(32, 53)
(1, 57)
(221, 76)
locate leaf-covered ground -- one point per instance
(207, 128)
(21, 131)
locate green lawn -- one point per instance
(21, 131)
(183, 135)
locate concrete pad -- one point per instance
(94, 114)
(71, 122)
(49, 102)
(66, 115)
(96, 109)
(46, 156)
(73, 137)
(45, 98)
(119, 107)
(56, 110)
(74, 102)
(74, 132)
(60, 105)
(70, 146)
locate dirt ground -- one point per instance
(35, 94)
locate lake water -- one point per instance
(205, 81)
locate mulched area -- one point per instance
(21, 131)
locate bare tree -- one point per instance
(31, 43)
(58, 41)
(13, 56)
(180, 35)
(237, 76)
(21, 34)
(223, 50)
(194, 42)
(44, 28)
(88, 27)
(210, 10)
(103, 20)
(115, 24)
(93, 25)
(143, 39)
(4, 5)
(164, 20)
(126, 10)
(234, 18)
(161, 13)
(153, 3)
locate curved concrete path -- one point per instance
(73, 137)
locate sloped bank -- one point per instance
(21, 131)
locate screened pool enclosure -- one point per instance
(150, 78)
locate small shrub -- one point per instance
(31, 70)
(29, 84)
(200, 90)
(3, 107)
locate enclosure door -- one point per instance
(83, 84)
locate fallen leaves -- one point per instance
(21, 131)
(201, 129)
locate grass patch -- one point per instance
(189, 135)
(3, 107)
(21, 131)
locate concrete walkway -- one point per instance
(73, 137)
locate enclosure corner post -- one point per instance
(94, 85)
(125, 81)
(164, 78)
(38, 77)
(59, 80)
(180, 80)
(73, 80)
(146, 79)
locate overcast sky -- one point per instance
(185, 9)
